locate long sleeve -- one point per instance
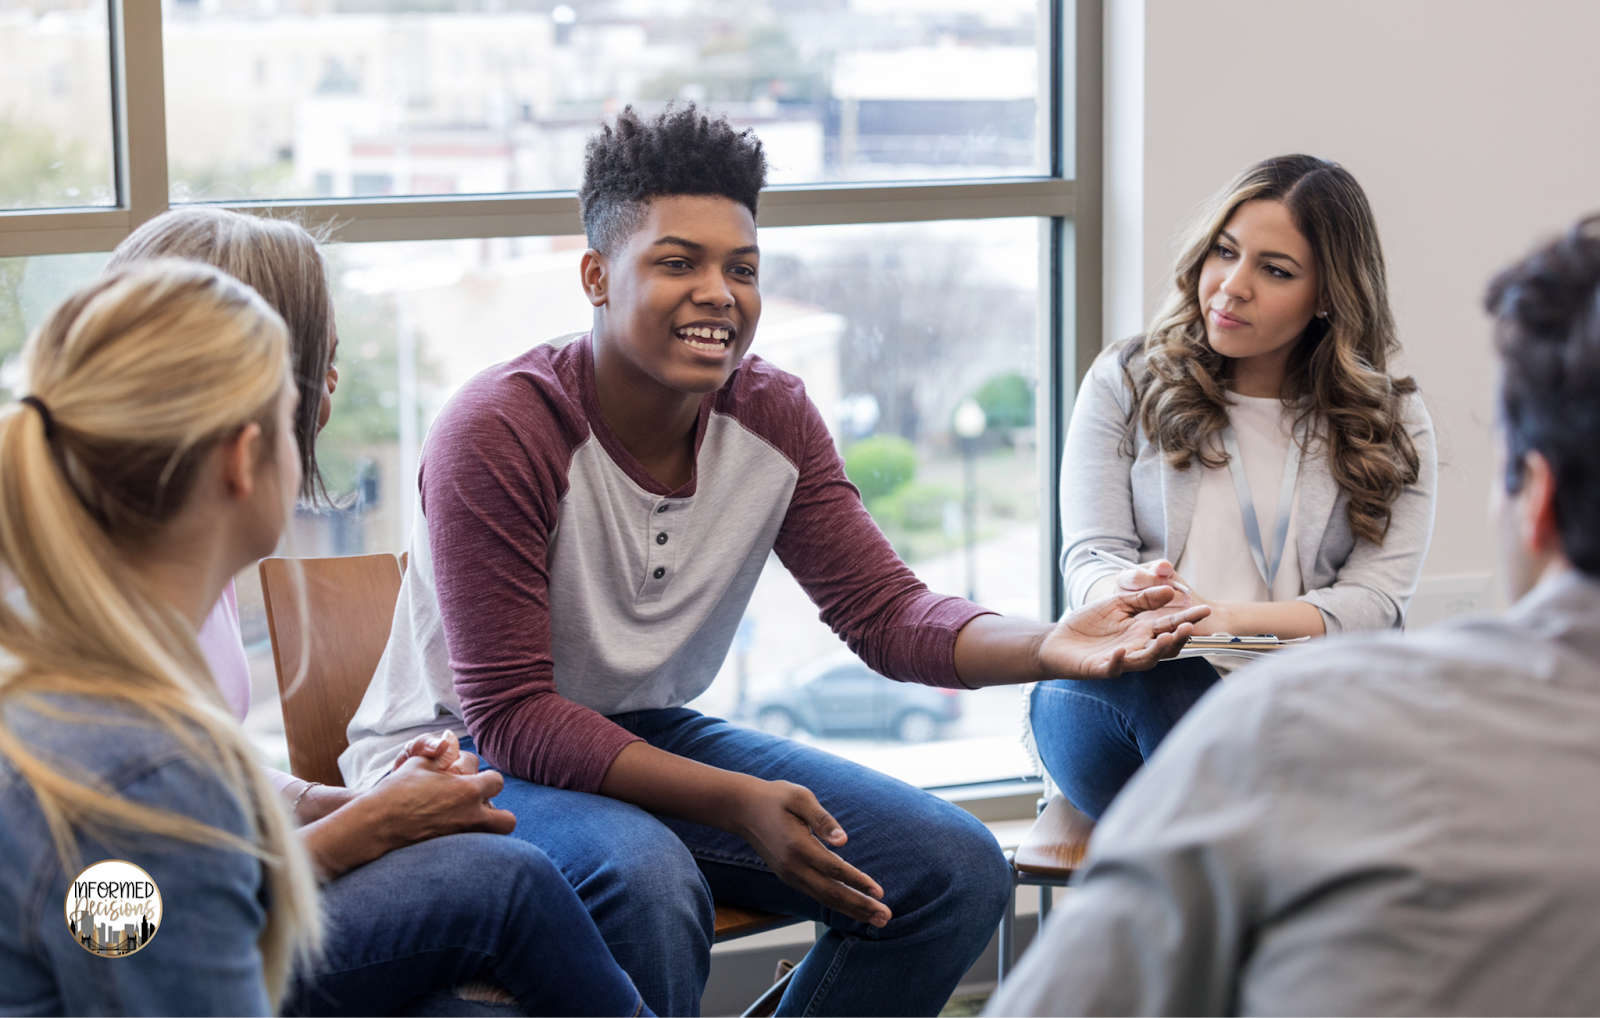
(1375, 583)
(204, 958)
(866, 594)
(222, 643)
(491, 493)
(1097, 466)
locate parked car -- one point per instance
(852, 699)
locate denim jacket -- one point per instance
(204, 958)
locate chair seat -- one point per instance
(1054, 847)
(733, 923)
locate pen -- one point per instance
(1122, 563)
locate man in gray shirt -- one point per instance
(1387, 824)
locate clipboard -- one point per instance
(1237, 646)
(1219, 641)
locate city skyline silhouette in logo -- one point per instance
(113, 908)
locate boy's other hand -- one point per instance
(790, 830)
(1128, 632)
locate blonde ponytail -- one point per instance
(136, 378)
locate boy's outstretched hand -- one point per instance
(1127, 632)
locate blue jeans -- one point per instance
(649, 882)
(405, 929)
(1094, 734)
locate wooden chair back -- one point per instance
(350, 605)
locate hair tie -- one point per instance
(44, 414)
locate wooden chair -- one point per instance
(1049, 854)
(350, 604)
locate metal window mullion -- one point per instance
(1050, 315)
(61, 232)
(1087, 110)
(522, 215)
(139, 80)
(472, 217)
(1071, 297)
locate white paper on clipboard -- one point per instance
(1228, 645)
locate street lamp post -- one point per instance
(969, 423)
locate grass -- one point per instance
(964, 1007)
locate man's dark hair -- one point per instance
(1547, 332)
(679, 151)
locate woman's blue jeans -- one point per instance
(1093, 734)
(405, 929)
(649, 882)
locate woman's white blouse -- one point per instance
(1217, 560)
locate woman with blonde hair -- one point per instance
(415, 902)
(1251, 450)
(152, 457)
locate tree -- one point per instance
(919, 322)
(879, 465)
(1007, 401)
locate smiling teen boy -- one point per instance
(597, 515)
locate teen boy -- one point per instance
(1396, 824)
(597, 515)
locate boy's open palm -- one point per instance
(1127, 632)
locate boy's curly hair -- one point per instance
(679, 151)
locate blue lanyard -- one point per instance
(1247, 504)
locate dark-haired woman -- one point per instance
(1252, 449)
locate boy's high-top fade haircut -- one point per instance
(680, 151)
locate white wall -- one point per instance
(1473, 125)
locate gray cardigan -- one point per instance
(1140, 508)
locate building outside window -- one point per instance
(919, 254)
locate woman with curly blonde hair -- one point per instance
(1251, 450)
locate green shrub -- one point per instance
(1007, 400)
(880, 464)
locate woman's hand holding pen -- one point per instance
(1135, 576)
(1161, 573)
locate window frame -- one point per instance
(1067, 202)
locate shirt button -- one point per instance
(660, 571)
(663, 507)
(661, 538)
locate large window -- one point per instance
(929, 253)
(379, 97)
(55, 104)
